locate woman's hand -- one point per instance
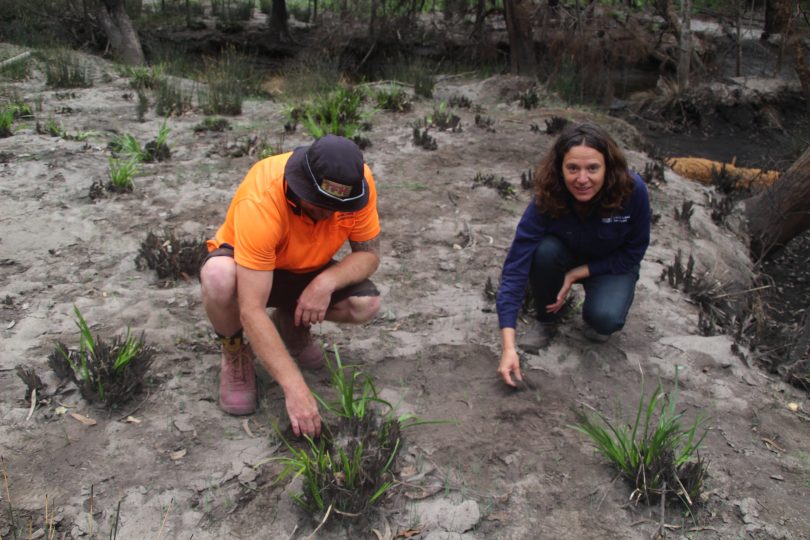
(571, 277)
(510, 364)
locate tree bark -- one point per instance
(782, 211)
(685, 39)
(777, 15)
(123, 39)
(521, 39)
(802, 70)
(279, 30)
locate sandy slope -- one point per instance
(509, 468)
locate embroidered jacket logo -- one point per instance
(616, 219)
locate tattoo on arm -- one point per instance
(372, 246)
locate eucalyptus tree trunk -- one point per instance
(777, 15)
(521, 39)
(279, 30)
(121, 35)
(781, 212)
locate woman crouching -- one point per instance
(588, 223)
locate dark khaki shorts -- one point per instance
(288, 286)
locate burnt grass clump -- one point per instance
(32, 381)
(377, 440)
(98, 371)
(156, 151)
(501, 185)
(556, 124)
(172, 258)
(423, 139)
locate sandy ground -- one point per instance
(509, 467)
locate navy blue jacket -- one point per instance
(610, 245)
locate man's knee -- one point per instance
(362, 308)
(218, 279)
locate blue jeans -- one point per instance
(607, 297)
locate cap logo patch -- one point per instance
(340, 191)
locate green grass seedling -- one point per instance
(121, 173)
(6, 119)
(654, 454)
(106, 372)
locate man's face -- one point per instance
(316, 213)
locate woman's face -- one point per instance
(584, 172)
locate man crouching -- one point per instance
(289, 217)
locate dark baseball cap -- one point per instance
(329, 174)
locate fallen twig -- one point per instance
(325, 517)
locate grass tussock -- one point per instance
(657, 454)
(500, 184)
(170, 257)
(106, 372)
(64, 69)
(338, 112)
(395, 100)
(348, 469)
(228, 79)
(170, 98)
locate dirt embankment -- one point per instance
(508, 466)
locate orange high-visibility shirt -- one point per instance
(266, 233)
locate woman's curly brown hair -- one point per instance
(551, 195)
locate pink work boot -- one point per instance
(298, 341)
(237, 380)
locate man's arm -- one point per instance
(358, 265)
(253, 288)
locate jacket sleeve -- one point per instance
(515, 273)
(630, 254)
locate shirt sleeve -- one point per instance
(257, 232)
(630, 254)
(515, 273)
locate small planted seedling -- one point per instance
(657, 455)
(396, 100)
(556, 124)
(485, 122)
(338, 113)
(501, 185)
(121, 173)
(684, 214)
(213, 123)
(172, 258)
(126, 146)
(348, 469)
(158, 148)
(527, 179)
(529, 99)
(460, 102)
(104, 372)
(423, 139)
(443, 120)
(6, 119)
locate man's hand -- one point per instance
(303, 412)
(313, 302)
(510, 364)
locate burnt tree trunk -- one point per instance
(777, 15)
(521, 39)
(802, 70)
(782, 211)
(121, 35)
(279, 29)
